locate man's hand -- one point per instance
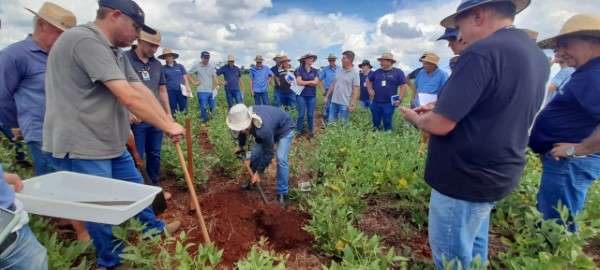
(175, 132)
(425, 108)
(252, 92)
(397, 103)
(134, 119)
(409, 115)
(14, 180)
(560, 150)
(352, 107)
(255, 178)
(17, 135)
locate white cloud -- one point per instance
(245, 29)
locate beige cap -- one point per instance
(284, 58)
(306, 56)
(153, 39)
(239, 118)
(56, 15)
(431, 58)
(167, 51)
(331, 57)
(277, 57)
(387, 56)
(578, 25)
(259, 58)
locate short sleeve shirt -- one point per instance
(327, 75)
(345, 81)
(151, 73)
(493, 95)
(364, 92)
(260, 78)
(205, 74)
(573, 114)
(232, 76)
(308, 75)
(430, 84)
(174, 76)
(386, 83)
(83, 118)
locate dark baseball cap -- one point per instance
(205, 54)
(129, 8)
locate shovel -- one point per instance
(258, 186)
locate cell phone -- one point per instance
(8, 221)
(394, 99)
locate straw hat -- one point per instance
(578, 25)
(465, 5)
(365, 63)
(532, 34)
(56, 15)
(387, 56)
(230, 58)
(239, 117)
(153, 39)
(277, 57)
(431, 58)
(306, 56)
(284, 58)
(167, 51)
(331, 57)
(259, 58)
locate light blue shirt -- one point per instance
(7, 193)
(22, 75)
(260, 78)
(562, 77)
(327, 75)
(430, 84)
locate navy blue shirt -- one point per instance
(493, 95)
(151, 73)
(386, 83)
(174, 76)
(364, 92)
(309, 90)
(276, 124)
(573, 114)
(232, 76)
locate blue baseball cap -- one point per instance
(465, 5)
(205, 54)
(450, 33)
(131, 9)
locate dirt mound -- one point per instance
(281, 226)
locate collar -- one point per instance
(137, 58)
(30, 45)
(590, 64)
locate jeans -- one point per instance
(123, 168)
(177, 101)
(233, 97)
(148, 141)
(326, 107)
(338, 111)
(261, 98)
(42, 161)
(566, 180)
(283, 169)
(19, 155)
(26, 253)
(365, 103)
(206, 101)
(458, 230)
(284, 99)
(306, 105)
(382, 112)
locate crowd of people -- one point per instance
(75, 97)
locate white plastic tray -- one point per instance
(63, 195)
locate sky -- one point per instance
(245, 28)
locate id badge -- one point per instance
(383, 83)
(145, 75)
(365, 84)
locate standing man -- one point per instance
(206, 82)
(365, 72)
(411, 77)
(22, 74)
(287, 97)
(271, 127)
(276, 85)
(91, 88)
(429, 80)
(327, 75)
(175, 76)
(148, 139)
(232, 74)
(344, 90)
(564, 129)
(260, 78)
(382, 85)
(479, 127)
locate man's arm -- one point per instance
(413, 89)
(589, 146)
(14, 180)
(430, 122)
(552, 88)
(370, 89)
(354, 98)
(330, 91)
(402, 90)
(164, 100)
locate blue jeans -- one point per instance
(458, 230)
(123, 168)
(148, 141)
(206, 102)
(26, 253)
(365, 103)
(283, 169)
(19, 155)
(42, 161)
(261, 98)
(566, 180)
(177, 101)
(382, 112)
(284, 99)
(306, 105)
(338, 111)
(326, 107)
(233, 97)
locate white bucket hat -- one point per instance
(241, 117)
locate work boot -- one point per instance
(282, 200)
(172, 227)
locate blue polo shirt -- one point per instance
(386, 83)
(174, 76)
(327, 75)
(364, 92)
(309, 91)
(7, 193)
(260, 78)
(232, 76)
(573, 114)
(430, 84)
(22, 75)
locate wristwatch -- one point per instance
(571, 151)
